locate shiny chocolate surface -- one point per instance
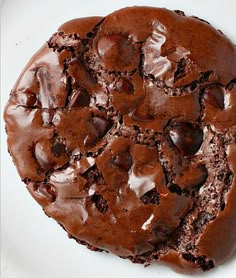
(125, 131)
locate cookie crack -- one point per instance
(184, 90)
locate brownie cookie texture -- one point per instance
(123, 128)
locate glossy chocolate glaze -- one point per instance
(124, 132)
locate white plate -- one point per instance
(34, 246)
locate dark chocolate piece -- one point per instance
(186, 137)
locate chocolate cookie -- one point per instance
(124, 131)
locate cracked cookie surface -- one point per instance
(124, 131)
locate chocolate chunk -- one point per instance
(101, 125)
(214, 95)
(186, 137)
(115, 48)
(91, 139)
(50, 154)
(79, 98)
(98, 128)
(123, 160)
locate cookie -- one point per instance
(123, 129)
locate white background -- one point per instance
(34, 246)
